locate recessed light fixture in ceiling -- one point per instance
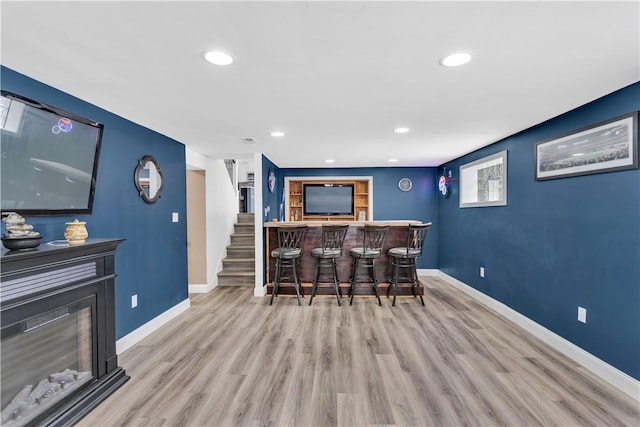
(393, 160)
(401, 130)
(277, 133)
(329, 161)
(218, 57)
(455, 59)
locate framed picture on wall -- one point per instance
(605, 147)
(484, 182)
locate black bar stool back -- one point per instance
(326, 256)
(287, 255)
(404, 257)
(365, 256)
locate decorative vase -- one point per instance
(76, 232)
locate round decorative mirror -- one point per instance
(149, 179)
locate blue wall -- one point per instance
(152, 262)
(271, 200)
(559, 244)
(389, 202)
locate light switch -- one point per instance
(174, 217)
(582, 314)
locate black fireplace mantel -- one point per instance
(35, 280)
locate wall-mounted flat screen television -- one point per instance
(49, 158)
(328, 199)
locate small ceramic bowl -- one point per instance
(18, 243)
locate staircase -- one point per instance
(238, 268)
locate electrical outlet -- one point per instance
(582, 314)
(134, 301)
(482, 272)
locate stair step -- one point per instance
(240, 251)
(236, 273)
(246, 218)
(244, 227)
(236, 278)
(239, 264)
(243, 239)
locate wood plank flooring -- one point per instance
(233, 360)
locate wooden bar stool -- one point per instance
(365, 256)
(287, 255)
(326, 256)
(405, 257)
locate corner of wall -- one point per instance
(259, 288)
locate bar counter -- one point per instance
(396, 236)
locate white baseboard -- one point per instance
(201, 289)
(152, 325)
(260, 291)
(612, 375)
(428, 272)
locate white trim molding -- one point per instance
(202, 288)
(259, 288)
(612, 375)
(428, 272)
(260, 291)
(151, 326)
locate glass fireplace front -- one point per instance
(46, 360)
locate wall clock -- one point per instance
(271, 180)
(405, 184)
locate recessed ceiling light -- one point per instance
(455, 59)
(393, 160)
(401, 130)
(218, 57)
(277, 133)
(329, 161)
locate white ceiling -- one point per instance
(337, 77)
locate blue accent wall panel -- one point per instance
(152, 262)
(558, 244)
(271, 200)
(390, 203)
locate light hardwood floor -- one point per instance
(234, 360)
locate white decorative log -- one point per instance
(17, 405)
